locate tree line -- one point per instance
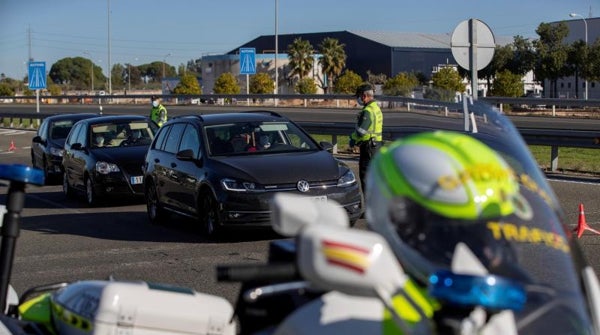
(548, 57)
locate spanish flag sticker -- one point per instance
(345, 255)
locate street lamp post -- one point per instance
(164, 63)
(109, 60)
(276, 49)
(586, 43)
(91, 70)
(129, 76)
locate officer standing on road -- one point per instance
(158, 114)
(368, 134)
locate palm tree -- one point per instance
(332, 60)
(300, 54)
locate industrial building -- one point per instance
(587, 30)
(387, 53)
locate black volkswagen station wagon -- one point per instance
(103, 157)
(223, 170)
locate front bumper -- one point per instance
(54, 166)
(253, 209)
(117, 184)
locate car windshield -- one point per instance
(251, 138)
(121, 133)
(538, 252)
(60, 129)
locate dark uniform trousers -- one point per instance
(367, 150)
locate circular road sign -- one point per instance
(476, 38)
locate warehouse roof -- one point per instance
(417, 40)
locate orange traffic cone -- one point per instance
(12, 146)
(582, 225)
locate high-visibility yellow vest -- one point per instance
(373, 112)
(159, 115)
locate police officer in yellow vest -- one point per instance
(158, 114)
(369, 129)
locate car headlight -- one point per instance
(56, 152)
(347, 179)
(106, 168)
(239, 185)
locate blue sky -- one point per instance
(142, 31)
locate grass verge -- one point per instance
(572, 160)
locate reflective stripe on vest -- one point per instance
(376, 127)
(407, 311)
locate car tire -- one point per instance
(209, 216)
(67, 190)
(90, 194)
(33, 162)
(156, 214)
(45, 169)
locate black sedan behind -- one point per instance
(103, 156)
(47, 144)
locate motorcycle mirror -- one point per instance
(290, 213)
(355, 262)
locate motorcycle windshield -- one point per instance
(536, 248)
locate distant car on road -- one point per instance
(47, 144)
(103, 157)
(223, 169)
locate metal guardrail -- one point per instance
(548, 102)
(545, 137)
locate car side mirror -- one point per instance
(185, 155)
(327, 146)
(188, 155)
(37, 139)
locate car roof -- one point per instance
(218, 118)
(113, 118)
(71, 116)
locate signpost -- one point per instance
(37, 79)
(247, 61)
(473, 48)
(247, 65)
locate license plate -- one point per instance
(137, 180)
(321, 198)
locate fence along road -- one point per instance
(338, 118)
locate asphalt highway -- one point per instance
(64, 240)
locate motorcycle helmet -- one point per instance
(430, 191)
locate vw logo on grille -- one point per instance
(303, 186)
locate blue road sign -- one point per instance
(37, 75)
(247, 60)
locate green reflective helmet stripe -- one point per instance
(452, 174)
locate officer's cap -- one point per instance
(362, 89)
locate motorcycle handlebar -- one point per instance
(254, 272)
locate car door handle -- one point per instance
(156, 160)
(173, 165)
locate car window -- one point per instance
(60, 129)
(172, 141)
(161, 136)
(74, 134)
(43, 130)
(121, 133)
(190, 140)
(81, 136)
(256, 137)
